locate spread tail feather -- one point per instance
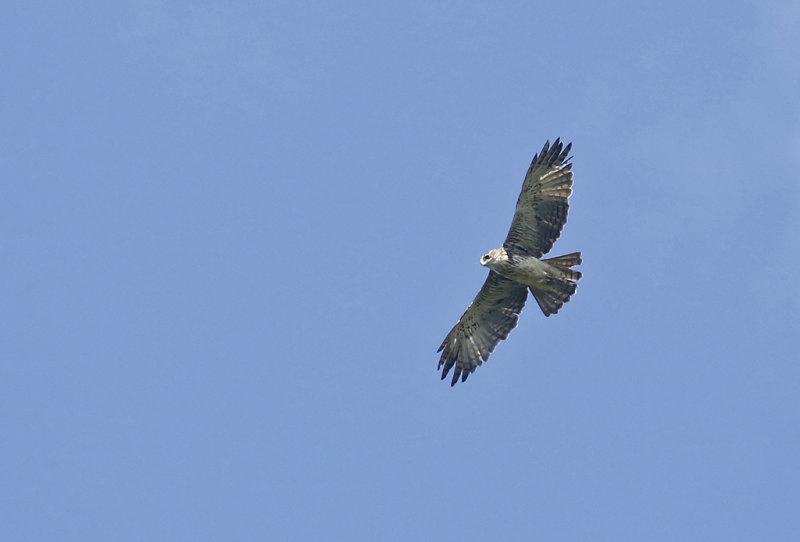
(565, 262)
(552, 295)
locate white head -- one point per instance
(494, 256)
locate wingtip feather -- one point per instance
(456, 374)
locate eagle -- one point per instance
(517, 266)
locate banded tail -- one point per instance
(558, 290)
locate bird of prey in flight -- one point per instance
(517, 267)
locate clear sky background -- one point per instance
(234, 234)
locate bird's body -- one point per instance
(530, 271)
(517, 267)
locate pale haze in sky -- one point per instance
(234, 235)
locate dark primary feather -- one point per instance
(543, 202)
(488, 320)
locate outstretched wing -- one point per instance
(543, 203)
(487, 321)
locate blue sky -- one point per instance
(234, 235)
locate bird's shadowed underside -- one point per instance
(516, 267)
